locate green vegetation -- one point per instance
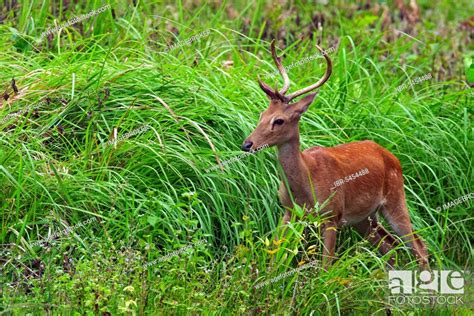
(186, 107)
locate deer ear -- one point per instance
(302, 105)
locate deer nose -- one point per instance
(247, 145)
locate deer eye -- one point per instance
(278, 122)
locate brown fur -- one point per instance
(312, 173)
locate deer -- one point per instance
(311, 173)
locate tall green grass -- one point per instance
(152, 192)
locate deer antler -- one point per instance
(281, 69)
(286, 81)
(320, 82)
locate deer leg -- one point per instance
(287, 204)
(396, 214)
(329, 238)
(282, 229)
(371, 229)
(286, 217)
(385, 234)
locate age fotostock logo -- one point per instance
(424, 287)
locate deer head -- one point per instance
(278, 124)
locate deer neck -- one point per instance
(295, 169)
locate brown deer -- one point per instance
(312, 173)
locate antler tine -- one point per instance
(268, 90)
(321, 81)
(281, 69)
